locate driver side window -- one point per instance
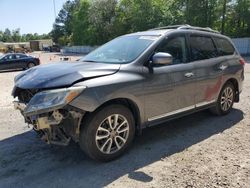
(175, 46)
(9, 57)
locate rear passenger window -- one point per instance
(224, 47)
(202, 48)
(19, 56)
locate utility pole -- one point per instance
(54, 8)
(187, 12)
(223, 16)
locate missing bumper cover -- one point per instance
(60, 127)
(55, 127)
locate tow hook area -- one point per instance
(59, 127)
(49, 131)
(19, 106)
(55, 127)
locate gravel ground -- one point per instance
(199, 150)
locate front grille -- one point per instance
(24, 95)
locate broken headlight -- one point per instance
(49, 100)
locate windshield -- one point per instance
(1, 56)
(120, 50)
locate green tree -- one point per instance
(81, 31)
(200, 13)
(57, 32)
(7, 36)
(102, 14)
(16, 37)
(62, 27)
(241, 19)
(94, 22)
(138, 15)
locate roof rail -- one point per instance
(169, 27)
(207, 29)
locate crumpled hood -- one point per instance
(62, 74)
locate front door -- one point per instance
(8, 62)
(170, 89)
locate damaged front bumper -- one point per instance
(50, 112)
(19, 106)
(56, 126)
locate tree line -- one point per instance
(94, 22)
(14, 36)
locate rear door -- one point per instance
(21, 61)
(170, 89)
(207, 65)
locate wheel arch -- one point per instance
(236, 86)
(130, 104)
(30, 62)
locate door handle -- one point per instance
(223, 67)
(189, 74)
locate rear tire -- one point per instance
(225, 100)
(107, 133)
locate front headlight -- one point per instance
(49, 100)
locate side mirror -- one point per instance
(162, 58)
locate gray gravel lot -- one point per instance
(199, 150)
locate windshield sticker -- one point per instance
(148, 37)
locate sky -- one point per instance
(31, 16)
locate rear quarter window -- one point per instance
(202, 47)
(224, 47)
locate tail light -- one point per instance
(242, 61)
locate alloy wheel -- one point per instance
(227, 98)
(112, 134)
(30, 65)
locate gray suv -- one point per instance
(132, 82)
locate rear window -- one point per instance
(224, 47)
(202, 47)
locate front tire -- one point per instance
(225, 100)
(30, 65)
(107, 133)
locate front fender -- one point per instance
(104, 89)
